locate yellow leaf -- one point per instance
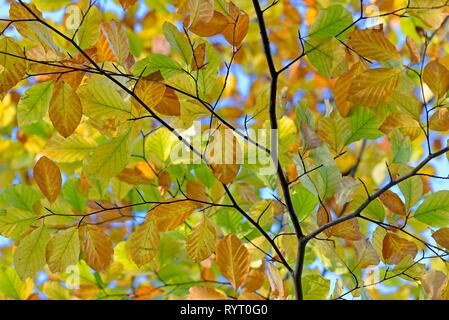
(96, 247)
(201, 11)
(366, 256)
(172, 214)
(143, 243)
(372, 44)
(233, 259)
(65, 109)
(439, 121)
(48, 178)
(201, 241)
(63, 250)
(405, 123)
(374, 86)
(395, 248)
(12, 69)
(205, 293)
(436, 76)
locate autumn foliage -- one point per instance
(209, 149)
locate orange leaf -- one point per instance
(169, 105)
(48, 178)
(127, 3)
(65, 109)
(96, 247)
(395, 248)
(150, 92)
(372, 44)
(442, 237)
(208, 29)
(205, 293)
(171, 215)
(146, 292)
(233, 259)
(392, 201)
(237, 29)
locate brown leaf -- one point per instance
(254, 280)
(48, 178)
(395, 248)
(199, 57)
(150, 92)
(348, 230)
(441, 237)
(224, 154)
(96, 247)
(392, 201)
(233, 259)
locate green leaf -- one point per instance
(89, 30)
(73, 195)
(15, 222)
(327, 56)
(315, 287)
(304, 202)
(21, 196)
(330, 22)
(71, 149)
(364, 124)
(29, 257)
(157, 62)
(401, 145)
(178, 42)
(63, 250)
(412, 188)
(34, 103)
(101, 100)
(158, 146)
(11, 285)
(110, 158)
(434, 211)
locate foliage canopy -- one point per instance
(209, 149)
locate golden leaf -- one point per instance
(395, 248)
(65, 109)
(48, 178)
(143, 243)
(374, 86)
(201, 241)
(205, 293)
(96, 247)
(233, 260)
(172, 214)
(436, 76)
